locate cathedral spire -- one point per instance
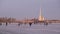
(40, 12)
(41, 18)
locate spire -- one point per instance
(41, 18)
(40, 12)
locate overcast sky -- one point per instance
(30, 8)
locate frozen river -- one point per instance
(26, 29)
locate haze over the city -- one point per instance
(30, 8)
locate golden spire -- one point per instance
(40, 12)
(41, 18)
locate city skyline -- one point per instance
(30, 8)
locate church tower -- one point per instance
(41, 18)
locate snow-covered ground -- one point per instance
(26, 29)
